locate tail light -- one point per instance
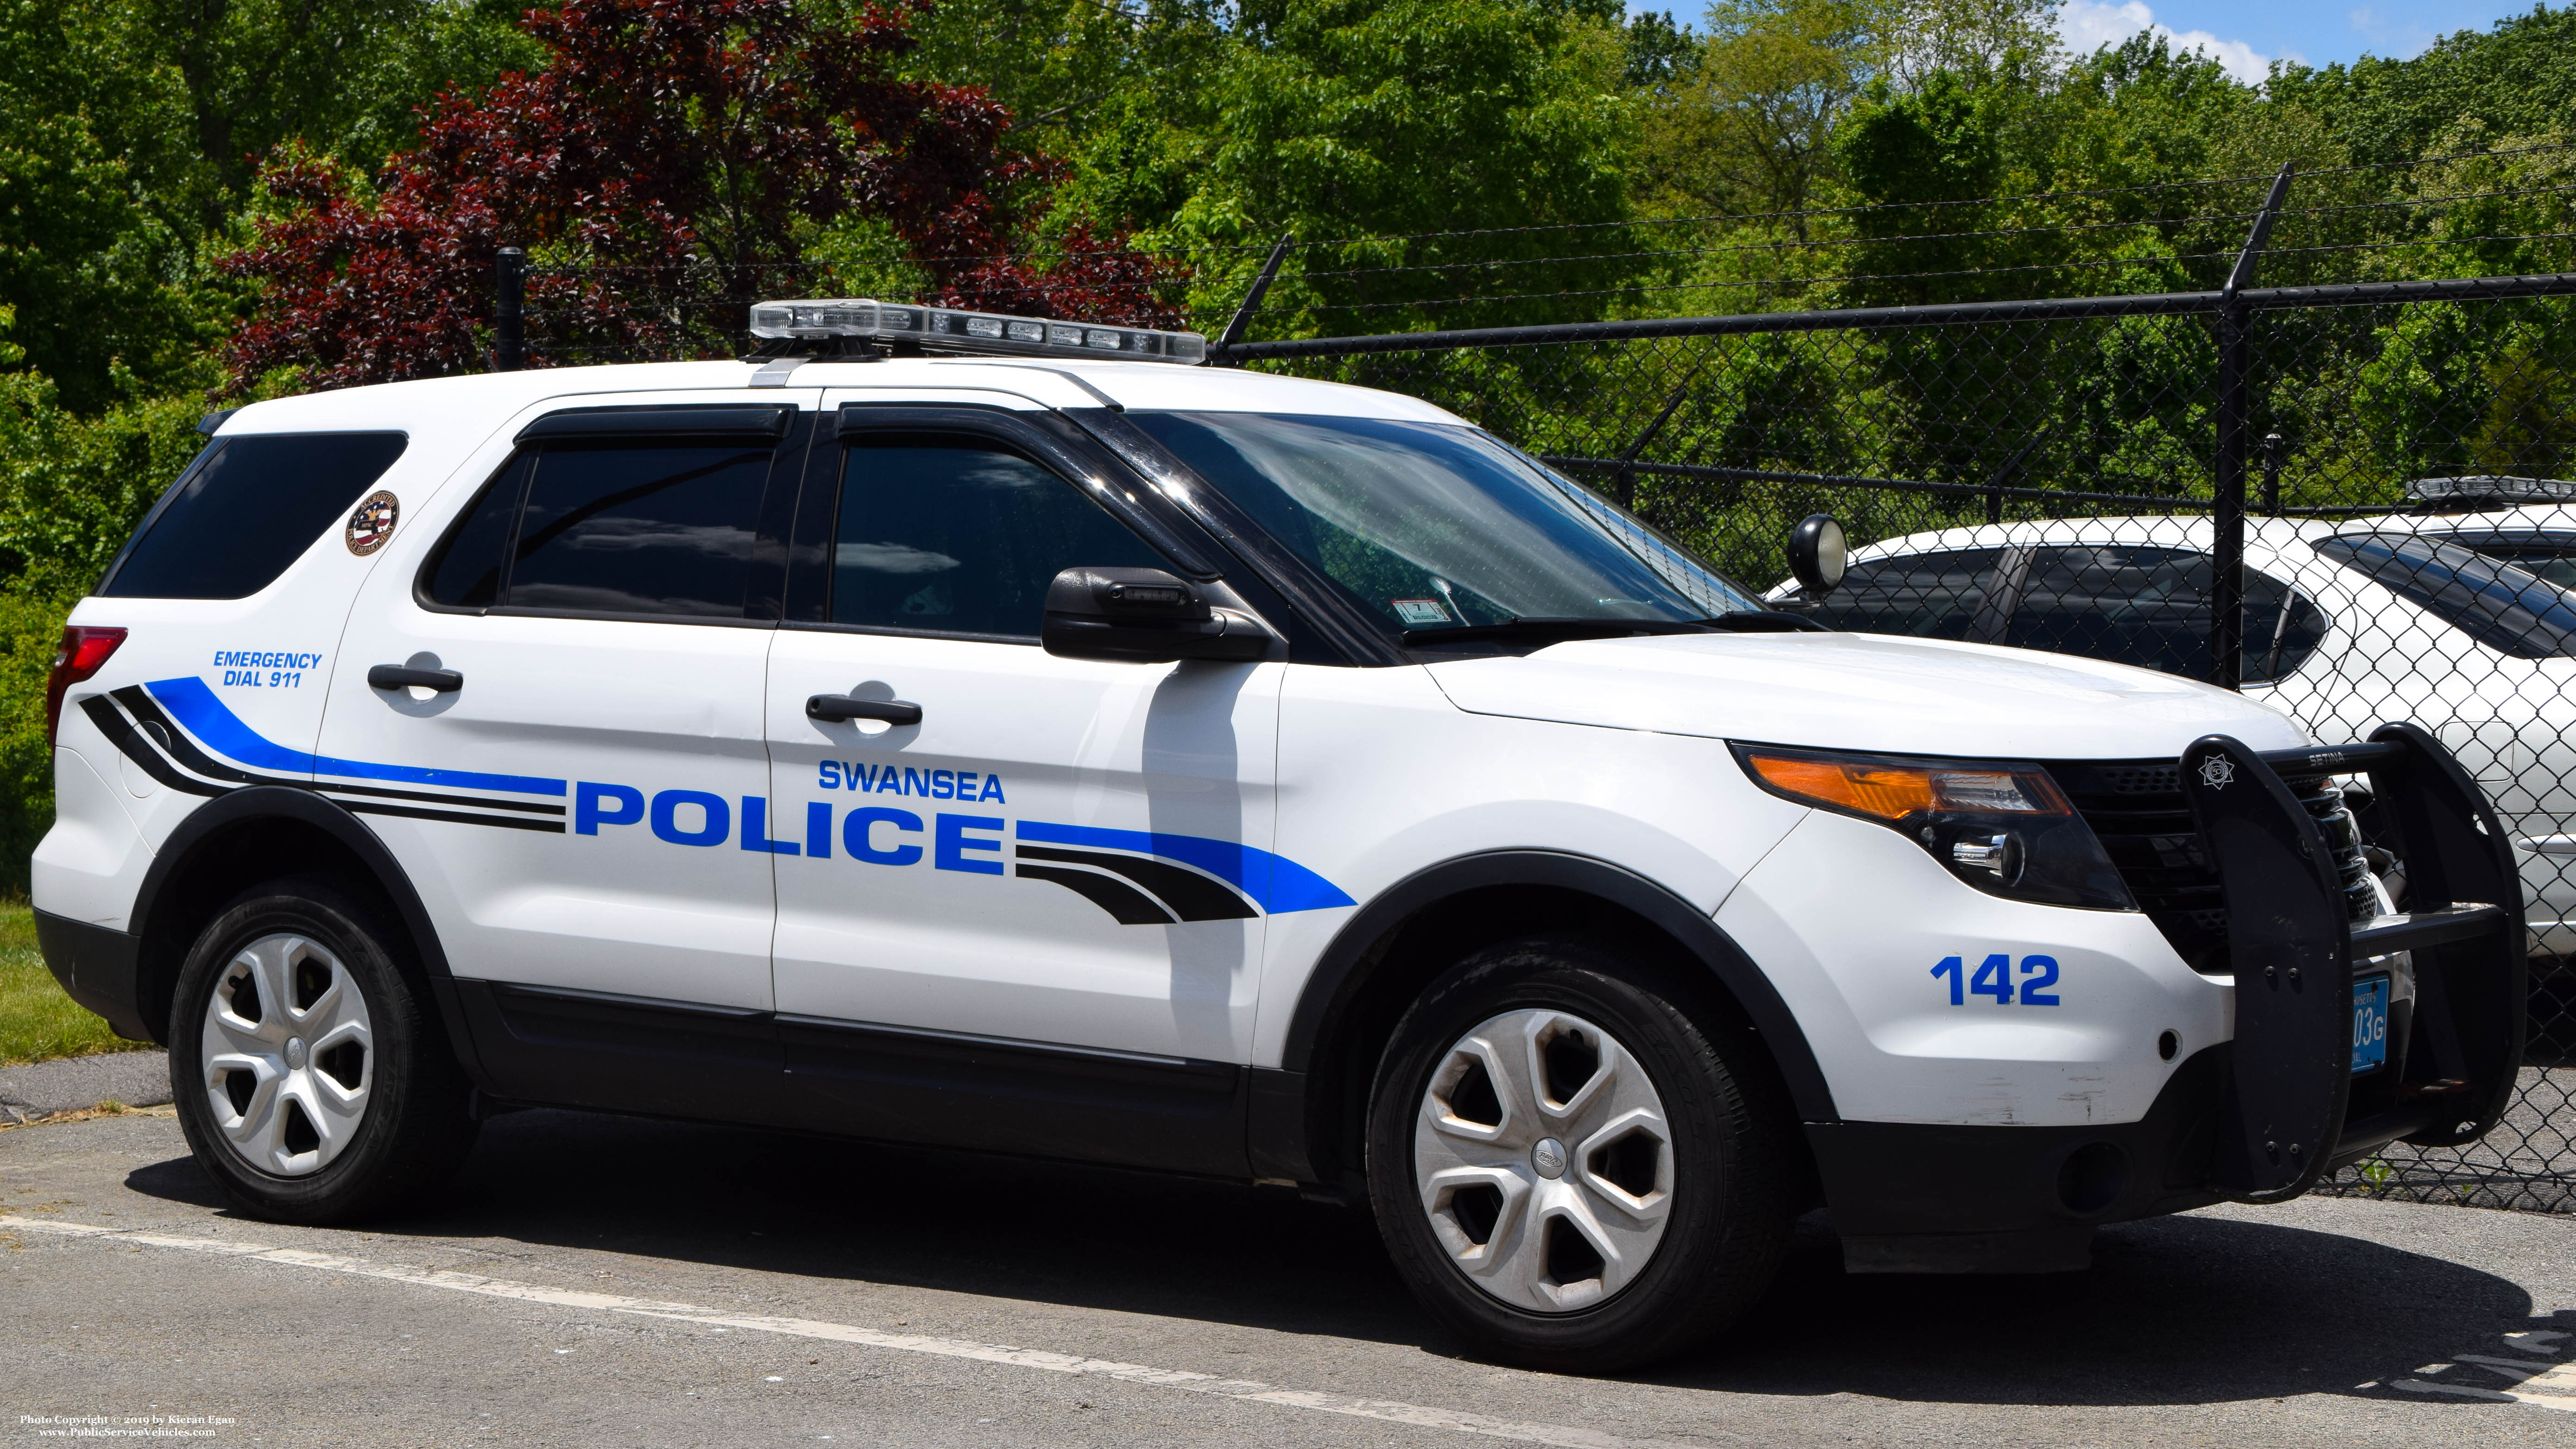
(83, 652)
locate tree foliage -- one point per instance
(658, 137)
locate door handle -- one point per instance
(845, 707)
(398, 676)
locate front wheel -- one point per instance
(313, 1079)
(1573, 1168)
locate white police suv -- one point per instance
(969, 730)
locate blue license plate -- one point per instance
(2369, 1024)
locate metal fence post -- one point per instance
(2276, 450)
(2235, 418)
(510, 310)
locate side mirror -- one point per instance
(1143, 616)
(1817, 554)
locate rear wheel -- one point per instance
(311, 1075)
(1572, 1169)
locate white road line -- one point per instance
(2535, 1381)
(1561, 1435)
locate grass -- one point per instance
(37, 1020)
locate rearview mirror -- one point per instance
(1143, 616)
(1817, 554)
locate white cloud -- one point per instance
(2088, 25)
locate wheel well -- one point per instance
(1394, 969)
(220, 866)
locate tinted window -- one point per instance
(467, 571)
(958, 535)
(628, 529)
(1928, 595)
(1431, 525)
(2148, 606)
(2549, 560)
(2494, 603)
(247, 508)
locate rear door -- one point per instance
(583, 806)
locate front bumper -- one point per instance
(2265, 1115)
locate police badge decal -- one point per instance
(372, 522)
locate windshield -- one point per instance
(1434, 526)
(2494, 603)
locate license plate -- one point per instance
(2369, 1024)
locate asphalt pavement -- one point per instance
(596, 1280)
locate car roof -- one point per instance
(2193, 530)
(1049, 382)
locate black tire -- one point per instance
(415, 1126)
(1736, 1177)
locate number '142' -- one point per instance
(1994, 977)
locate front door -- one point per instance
(1034, 916)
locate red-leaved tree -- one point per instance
(669, 156)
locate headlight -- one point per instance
(2004, 828)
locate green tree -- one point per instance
(1362, 126)
(1752, 132)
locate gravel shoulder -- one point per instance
(71, 1084)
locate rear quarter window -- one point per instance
(2500, 606)
(244, 510)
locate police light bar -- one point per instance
(941, 329)
(2487, 488)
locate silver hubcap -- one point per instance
(1544, 1161)
(289, 1055)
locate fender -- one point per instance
(1283, 1100)
(275, 802)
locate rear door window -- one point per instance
(2150, 606)
(612, 527)
(244, 510)
(1927, 595)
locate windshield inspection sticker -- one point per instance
(1420, 611)
(373, 522)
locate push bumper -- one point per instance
(97, 968)
(2263, 1117)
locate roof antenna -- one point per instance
(1252, 299)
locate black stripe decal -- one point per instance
(414, 812)
(1194, 896)
(130, 742)
(1119, 899)
(185, 748)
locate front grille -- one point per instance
(2137, 809)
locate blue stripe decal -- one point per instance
(197, 710)
(1275, 883)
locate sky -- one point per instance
(2247, 35)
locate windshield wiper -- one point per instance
(1555, 629)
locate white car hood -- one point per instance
(1864, 692)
